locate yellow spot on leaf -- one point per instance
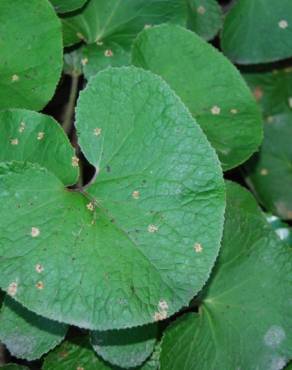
(14, 142)
(215, 110)
(75, 161)
(35, 232)
(90, 206)
(39, 268)
(41, 135)
(234, 111)
(201, 10)
(21, 127)
(264, 172)
(40, 285)
(152, 228)
(15, 78)
(84, 61)
(108, 53)
(97, 131)
(283, 24)
(12, 289)
(136, 194)
(198, 248)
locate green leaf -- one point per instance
(153, 362)
(30, 53)
(208, 84)
(205, 17)
(125, 348)
(258, 31)
(64, 6)
(98, 57)
(13, 367)
(269, 173)
(281, 228)
(120, 21)
(34, 137)
(244, 321)
(273, 90)
(76, 354)
(125, 246)
(25, 334)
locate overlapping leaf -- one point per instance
(258, 31)
(27, 335)
(244, 320)
(269, 173)
(64, 6)
(119, 21)
(30, 53)
(208, 84)
(125, 348)
(75, 354)
(273, 90)
(36, 138)
(205, 17)
(136, 245)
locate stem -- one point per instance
(69, 112)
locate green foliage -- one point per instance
(273, 90)
(30, 53)
(220, 102)
(125, 348)
(116, 250)
(64, 6)
(269, 173)
(139, 215)
(244, 37)
(204, 17)
(27, 335)
(242, 317)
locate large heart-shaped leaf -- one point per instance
(208, 84)
(244, 36)
(269, 173)
(27, 335)
(273, 90)
(205, 17)
(125, 348)
(136, 245)
(64, 6)
(119, 21)
(30, 53)
(75, 354)
(244, 321)
(36, 138)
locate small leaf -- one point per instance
(76, 355)
(125, 348)
(36, 138)
(269, 172)
(244, 321)
(64, 6)
(244, 37)
(98, 57)
(30, 53)
(205, 17)
(272, 90)
(140, 241)
(208, 84)
(25, 334)
(120, 21)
